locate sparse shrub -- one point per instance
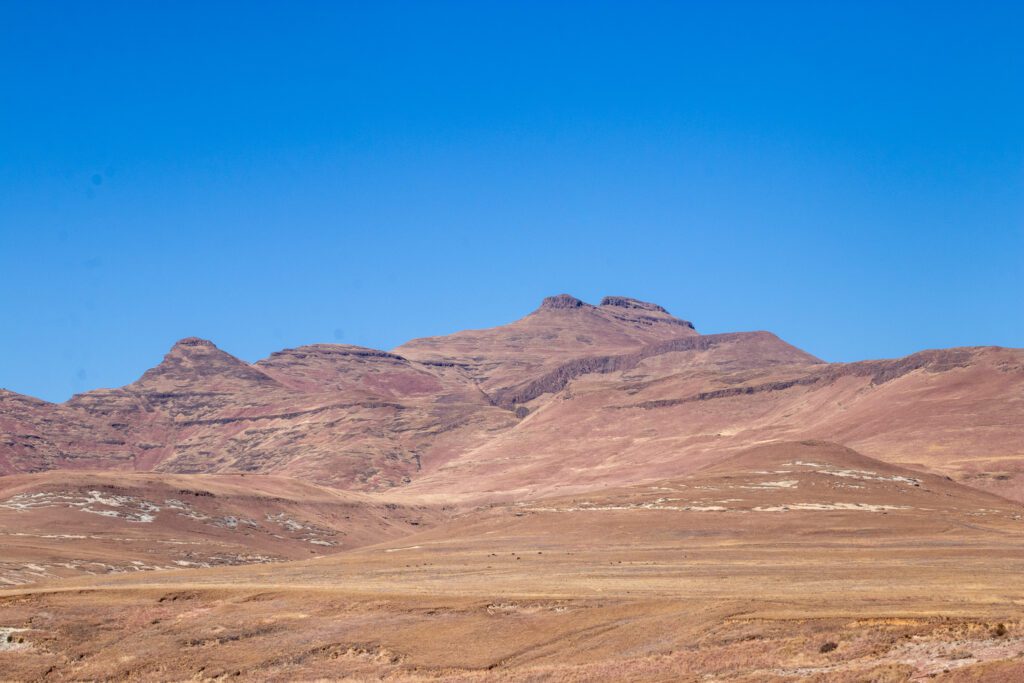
(827, 647)
(521, 412)
(999, 631)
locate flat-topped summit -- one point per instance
(616, 310)
(568, 301)
(562, 301)
(626, 302)
(192, 342)
(326, 351)
(622, 309)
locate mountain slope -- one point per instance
(958, 412)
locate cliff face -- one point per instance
(571, 396)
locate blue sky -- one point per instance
(847, 175)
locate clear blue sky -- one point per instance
(848, 175)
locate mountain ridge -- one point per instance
(368, 419)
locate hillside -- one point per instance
(69, 523)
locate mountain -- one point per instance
(330, 414)
(571, 397)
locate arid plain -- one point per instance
(593, 492)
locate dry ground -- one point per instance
(910, 576)
(66, 523)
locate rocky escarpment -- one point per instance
(880, 372)
(626, 302)
(559, 378)
(346, 368)
(562, 301)
(314, 351)
(643, 312)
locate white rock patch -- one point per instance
(128, 508)
(11, 640)
(783, 484)
(864, 507)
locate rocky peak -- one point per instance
(562, 301)
(193, 358)
(626, 302)
(190, 342)
(619, 308)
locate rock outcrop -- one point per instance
(626, 302)
(561, 301)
